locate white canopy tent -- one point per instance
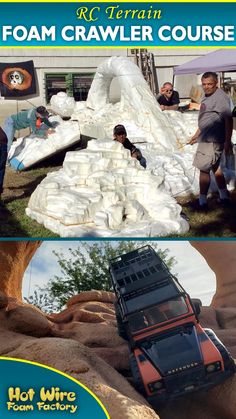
(222, 60)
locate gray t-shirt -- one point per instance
(211, 119)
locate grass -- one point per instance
(216, 222)
(18, 187)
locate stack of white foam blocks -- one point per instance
(103, 191)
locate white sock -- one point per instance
(224, 194)
(202, 199)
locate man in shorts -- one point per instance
(213, 136)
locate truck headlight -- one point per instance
(156, 385)
(216, 366)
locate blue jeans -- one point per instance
(143, 162)
(3, 159)
(9, 130)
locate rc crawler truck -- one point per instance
(170, 353)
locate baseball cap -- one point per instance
(42, 111)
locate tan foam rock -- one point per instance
(221, 258)
(3, 300)
(93, 295)
(27, 320)
(14, 259)
(119, 397)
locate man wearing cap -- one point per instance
(120, 135)
(32, 119)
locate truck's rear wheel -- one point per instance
(120, 325)
(197, 304)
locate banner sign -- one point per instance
(118, 24)
(17, 79)
(41, 392)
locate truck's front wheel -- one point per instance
(229, 364)
(138, 382)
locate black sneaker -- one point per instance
(183, 215)
(195, 205)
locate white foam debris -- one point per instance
(62, 104)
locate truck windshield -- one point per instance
(157, 314)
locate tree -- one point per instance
(41, 299)
(87, 268)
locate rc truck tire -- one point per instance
(138, 382)
(229, 364)
(197, 304)
(120, 325)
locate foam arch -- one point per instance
(135, 93)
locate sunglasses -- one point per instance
(169, 91)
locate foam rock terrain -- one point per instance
(102, 191)
(82, 340)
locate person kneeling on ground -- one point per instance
(120, 135)
(33, 119)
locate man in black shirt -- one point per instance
(120, 135)
(169, 98)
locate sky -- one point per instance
(193, 272)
